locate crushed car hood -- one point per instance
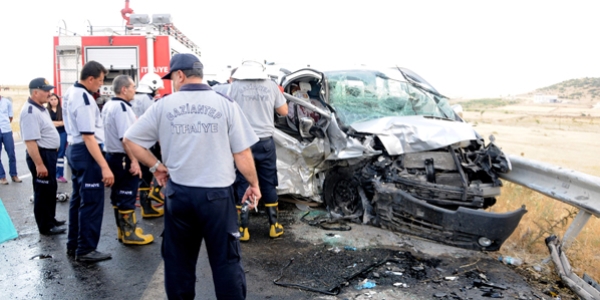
(409, 134)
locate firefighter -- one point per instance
(201, 133)
(224, 88)
(146, 93)
(85, 131)
(42, 142)
(149, 190)
(259, 96)
(117, 116)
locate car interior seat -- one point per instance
(303, 92)
(296, 112)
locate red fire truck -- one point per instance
(144, 45)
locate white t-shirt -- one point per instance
(141, 103)
(36, 125)
(198, 131)
(117, 117)
(82, 115)
(258, 99)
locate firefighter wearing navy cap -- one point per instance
(84, 127)
(42, 142)
(202, 134)
(118, 116)
(259, 96)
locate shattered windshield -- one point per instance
(362, 95)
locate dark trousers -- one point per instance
(123, 191)
(44, 189)
(146, 174)
(60, 161)
(194, 214)
(6, 139)
(265, 160)
(87, 201)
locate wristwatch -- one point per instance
(153, 168)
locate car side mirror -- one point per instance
(305, 125)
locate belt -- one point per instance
(47, 149)
(116, 153)
(265, 138)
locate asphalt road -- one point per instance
(134, 272)
(33, 266)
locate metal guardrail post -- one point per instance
(565, 272)
(575, 227)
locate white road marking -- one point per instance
(156, 287)
(25, 176)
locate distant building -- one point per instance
(538, 98)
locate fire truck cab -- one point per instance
(144, 45)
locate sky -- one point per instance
(465, 49)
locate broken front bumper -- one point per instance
(466, 228)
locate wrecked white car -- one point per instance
(383, 147)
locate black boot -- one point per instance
(132, 235)
(148, 210)
(276, 229)
(119, 233)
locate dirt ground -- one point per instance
(563, 134)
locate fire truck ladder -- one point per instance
(68, 58)
(172, 31)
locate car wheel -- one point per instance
(341, 193)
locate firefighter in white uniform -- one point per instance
(118, 116)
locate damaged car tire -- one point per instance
(342, 194)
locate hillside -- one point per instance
(581, 89)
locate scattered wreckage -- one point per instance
(383, 147)
(585, 288)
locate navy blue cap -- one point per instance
(183, 61)
(41, 84)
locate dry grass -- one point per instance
(545, 217)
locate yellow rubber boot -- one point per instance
(132, 235)
(155, 192)
(276, 230)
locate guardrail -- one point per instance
(571, 187)
(574, 188)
